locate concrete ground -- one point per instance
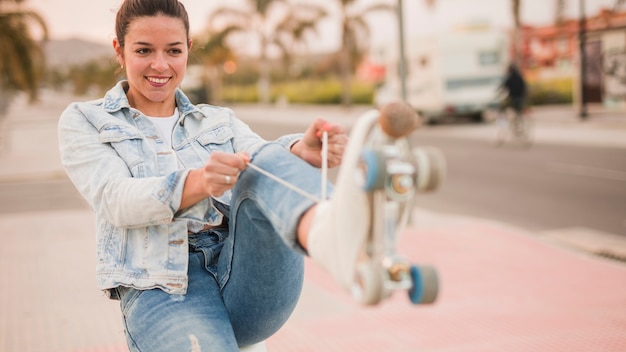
(502, 288)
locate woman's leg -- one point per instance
(198, 321)
(261, 265)
(265, 277)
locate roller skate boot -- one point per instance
(354, 234)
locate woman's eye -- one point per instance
(142, 51)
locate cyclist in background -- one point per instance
(515, 85)
(515, 88)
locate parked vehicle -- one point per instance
(450, 75)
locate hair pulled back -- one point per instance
(132, 9)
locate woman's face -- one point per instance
(155, 59)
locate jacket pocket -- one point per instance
(128, 144)
(218, 138)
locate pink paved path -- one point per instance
(501, 290)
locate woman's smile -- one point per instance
(158, 81)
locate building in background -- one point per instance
(554, 51)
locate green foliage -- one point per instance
(92, 78)
(247, 74)
(319, 91)
(22, 60)
(94, 75)
(240, 94)
(277, 25)
(554, 91)
(355, 40)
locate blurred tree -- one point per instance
(22, 60)
(92, 78)
(278, 25)
(213, 52)
(355, 37)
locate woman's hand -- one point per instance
(219, 174)
(309, 148)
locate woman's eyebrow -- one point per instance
(150, 44)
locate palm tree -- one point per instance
(213, 52)
(277, 25)
(355, 37)
(22, 59)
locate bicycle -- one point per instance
(513, 127)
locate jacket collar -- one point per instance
(115, 99)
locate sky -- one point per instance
(94, 20)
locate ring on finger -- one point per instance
(227, 178)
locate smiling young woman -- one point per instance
(154, 54)
(203, 251)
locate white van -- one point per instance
(450, 75)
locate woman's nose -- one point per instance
(160, 62)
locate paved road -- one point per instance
(544, 188)
(547, 187)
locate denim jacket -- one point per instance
(133, 182)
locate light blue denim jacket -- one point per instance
(133, 182)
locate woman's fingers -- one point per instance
(221, 171)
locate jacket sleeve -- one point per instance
(105, 180)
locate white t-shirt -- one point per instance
(165, 125)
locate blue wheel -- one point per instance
(372, 165)
(425, 285)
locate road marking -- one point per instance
(587, 171)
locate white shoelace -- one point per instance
(324, 171)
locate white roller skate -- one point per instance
(355, 233)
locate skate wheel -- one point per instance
(398, 119)
(368, 288)
(373, 169)
(431, 168)
(425, 285)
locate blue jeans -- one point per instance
(244, 280)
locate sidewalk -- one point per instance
(502, 288)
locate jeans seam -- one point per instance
(131, 342)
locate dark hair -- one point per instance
(132, 9)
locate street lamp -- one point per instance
(583, 62)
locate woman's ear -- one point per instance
(119, 51)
